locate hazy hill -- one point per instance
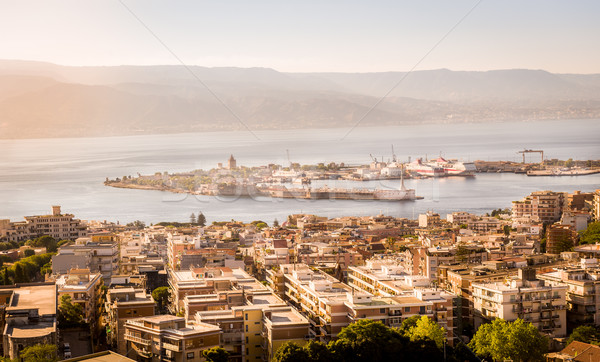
(48, 100)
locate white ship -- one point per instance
(454, 168)
(425, 169)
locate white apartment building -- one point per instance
(57, 225)
(525, 297)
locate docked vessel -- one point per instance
(424, 169)
(326, 193)
(454, 168)
(563, 172)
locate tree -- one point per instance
(20, 276)
(591, 235)
(215, 354)
(368, 340)
(5, 279)
(585, 334)
(137, 224)
(29, 252)
(290, 352)
(318, 352)
(275, 223)
(192, 218)
(503, 340)
(409, 323)
(425, 328)
(569, 163)
(69, 314)
(39, 353)
(46, 241)
(506, 229)
(201, 219)
(161, 296)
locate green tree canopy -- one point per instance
(585, 334)
(161, 296)
(425, 328)
(46, 241)
(290, 352)
(215, 354)
(201, 219)
(591, 235)
(20, 276)
(39, 353)
(368, 340)
(502, 340)
(69, 314)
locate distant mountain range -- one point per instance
(47, 100)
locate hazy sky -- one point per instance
(306, 36)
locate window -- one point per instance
(246, 316)
(406, 309)
(422, 309)
(246, 341)
(190, 355)
(382, 310)
(246, 328)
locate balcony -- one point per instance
(139, 340)
(171, 347)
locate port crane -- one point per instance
(532, 151)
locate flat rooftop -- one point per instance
(286, 316)
(41, 297)
(30, 330)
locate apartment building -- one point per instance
(596, 205)
(178, 245)
(459, 217)
(384, 277)
(281, 325)
(255, 332)
(391, 295)
(426, 261)
(583, 291)
(524, 297)
(169, 338)
(319, 297)
(242, 325)
(123, 304)
(101, 256)
(540, 206)
(28, 317)
(560, 238)
(209, 282)
(57, 225)
(84, 288)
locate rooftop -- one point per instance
(41, 297)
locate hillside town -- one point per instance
(186, 291)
